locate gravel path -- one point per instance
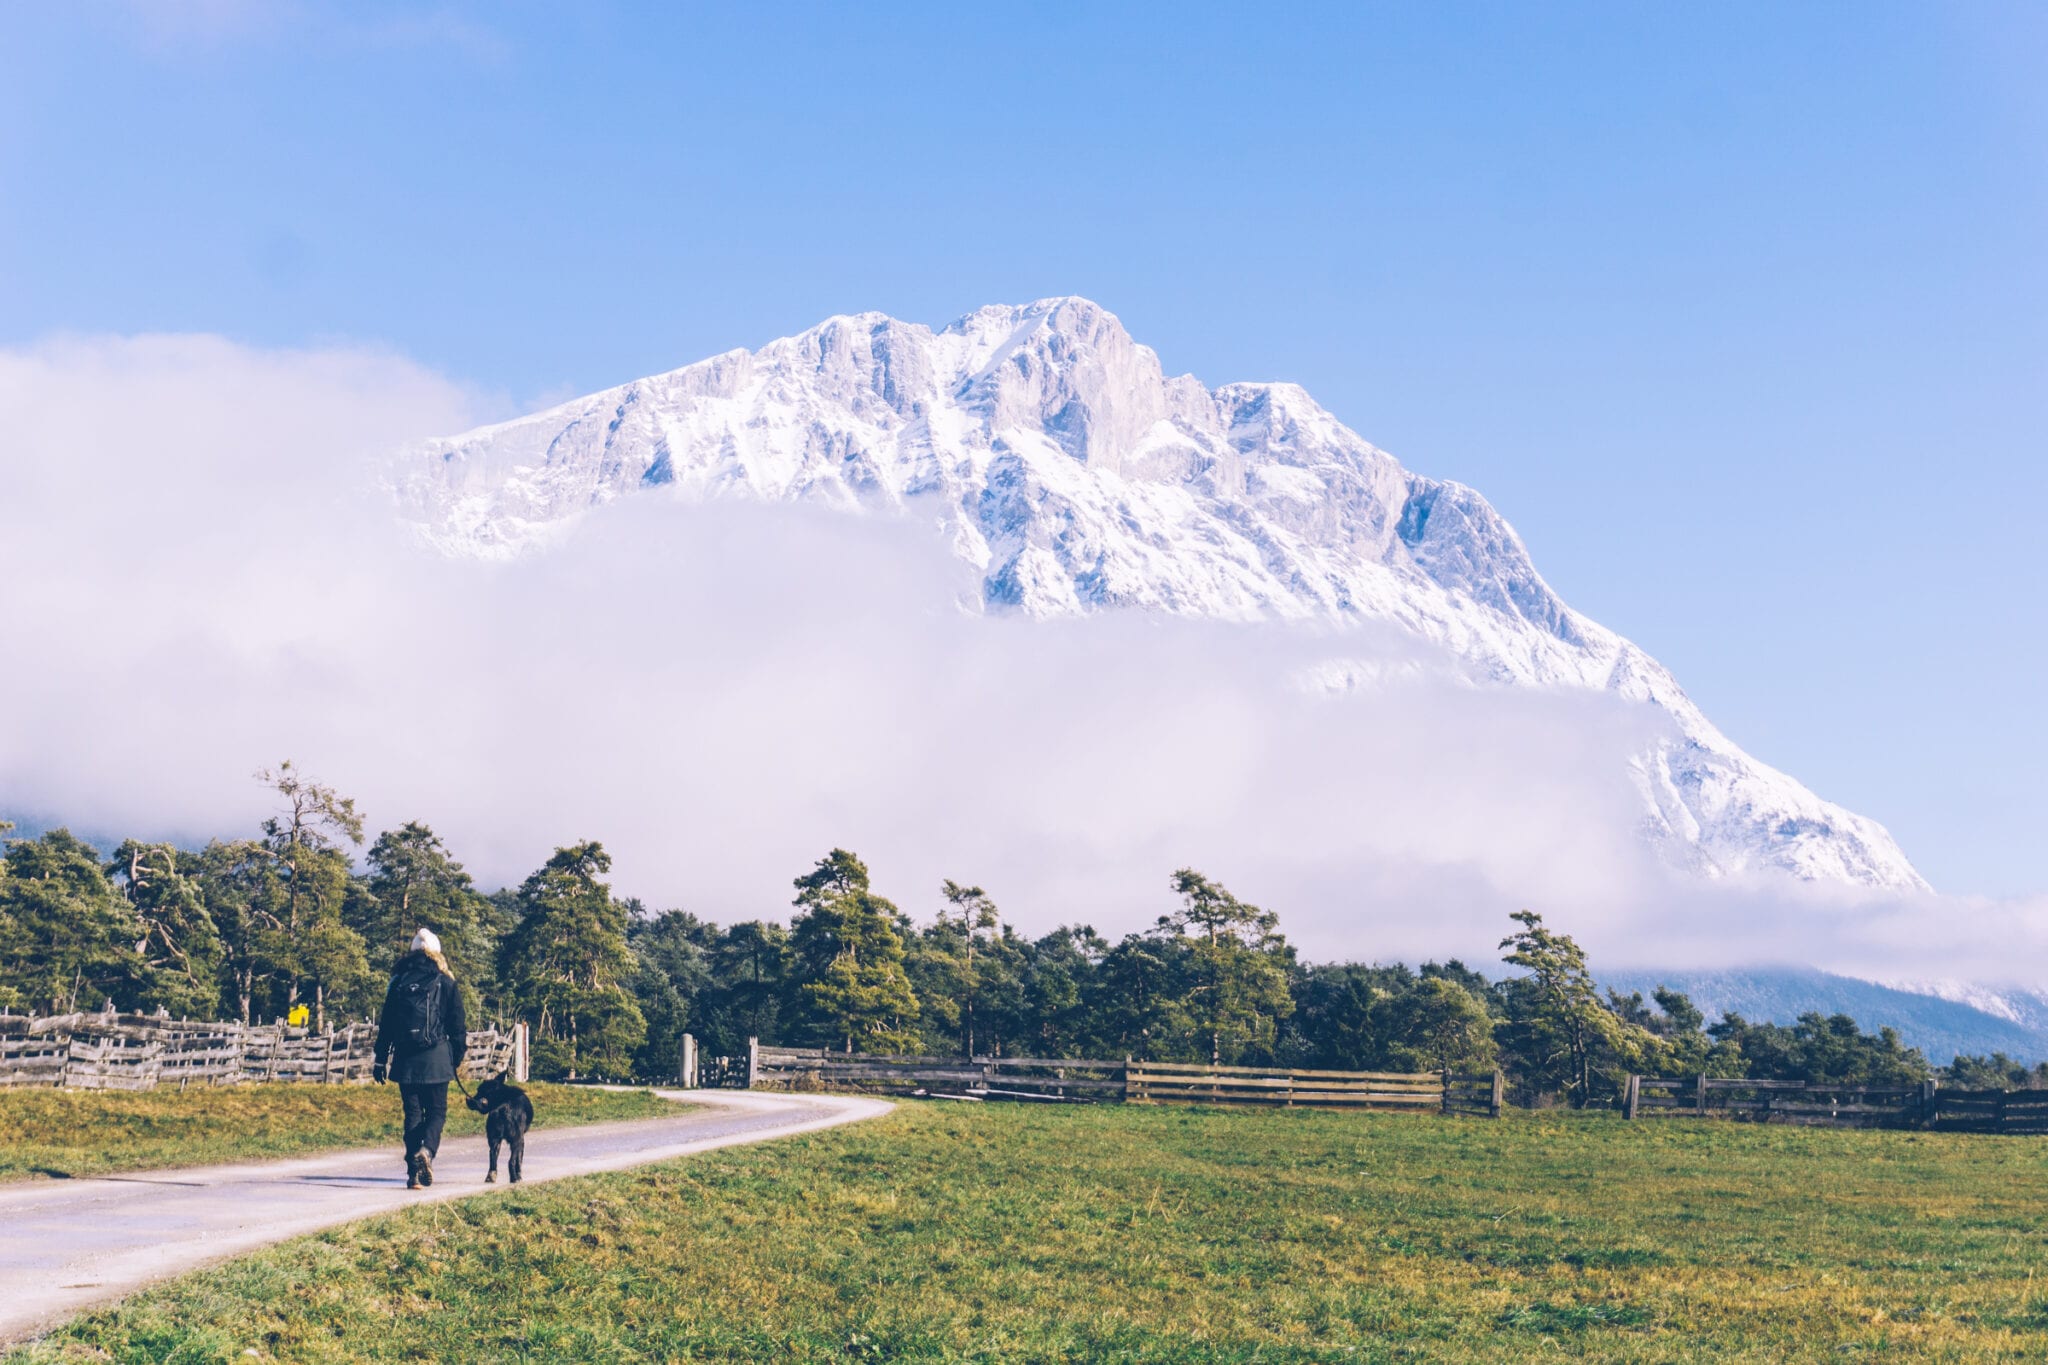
(68, 1245)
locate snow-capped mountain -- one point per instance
(1055, 456)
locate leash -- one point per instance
(463, 1088)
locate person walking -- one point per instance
(421, 1036)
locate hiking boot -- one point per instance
(412, 1172)
(426, 1169)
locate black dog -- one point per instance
(508, 1113)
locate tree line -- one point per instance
(288, 919)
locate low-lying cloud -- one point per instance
(202, 579)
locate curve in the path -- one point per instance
(71, 1244)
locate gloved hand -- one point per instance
(380, 1073)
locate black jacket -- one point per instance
(437, 1062)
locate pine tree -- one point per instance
(672, 971)
(412, 884)
(566, 966)
(1437, 1024)
(1238, 964)
(977, 919)
(238, 884)
(749, 965)
(1045, 1000)
(849, 955)
(1137, 1000)
(69, 940)
(1557, 1026)
(179, 950)
(302, 938)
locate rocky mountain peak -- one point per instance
(1057, 458)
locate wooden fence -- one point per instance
(110, 1051)
(1076, 1080)
(1800, 1102)
(1924, 1105)
(1991, 1111)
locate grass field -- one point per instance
(87, 1132)
(1154, 1234)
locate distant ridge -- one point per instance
(1779, 995)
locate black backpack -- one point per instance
(419, 1012)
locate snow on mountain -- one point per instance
(1054, 455)
(2015, 1004)
(1941, 1023)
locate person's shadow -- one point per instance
(53, 1173)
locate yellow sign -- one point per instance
(298, 1017)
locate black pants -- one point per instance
(426, 1110)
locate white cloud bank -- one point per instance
(201, 579)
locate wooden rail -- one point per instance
(111, 1051)
(1991, 1111)
(1819, 1104)
(1836, 1104)
(1094, 1080)
(1161, 1082)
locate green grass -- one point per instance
(88, 1132)
(1025, 1234)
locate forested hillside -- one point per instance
(310, 913)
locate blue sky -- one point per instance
(1739, 313)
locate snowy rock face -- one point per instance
(1058, 459)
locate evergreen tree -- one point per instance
(302, 938)
(672, 971)
(1683, 1047)
(1557, 1028)
(1138, 1000)
(237, 884)
(745, 999)
(178, 950)
(567, 966)
(1386, 1018)
(1042, 1003)
(1458, 973)
(1238, 968)
(935, 961)
(1437, 1024)
(1996, 1072)
(1340, 1021)
(1002, 1017)
(412, 884)
(69, 941)
(849, 958)
(962, 969)
(975, 915)
(1822, 1049)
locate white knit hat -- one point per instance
(426, 940)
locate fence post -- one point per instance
(1493, 1105)
(1630, 1096)
(1700, 1095)
(753, 1061)
(1927, 1102)
(519, 1052)
(686, 1074)
(1447, 1090)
